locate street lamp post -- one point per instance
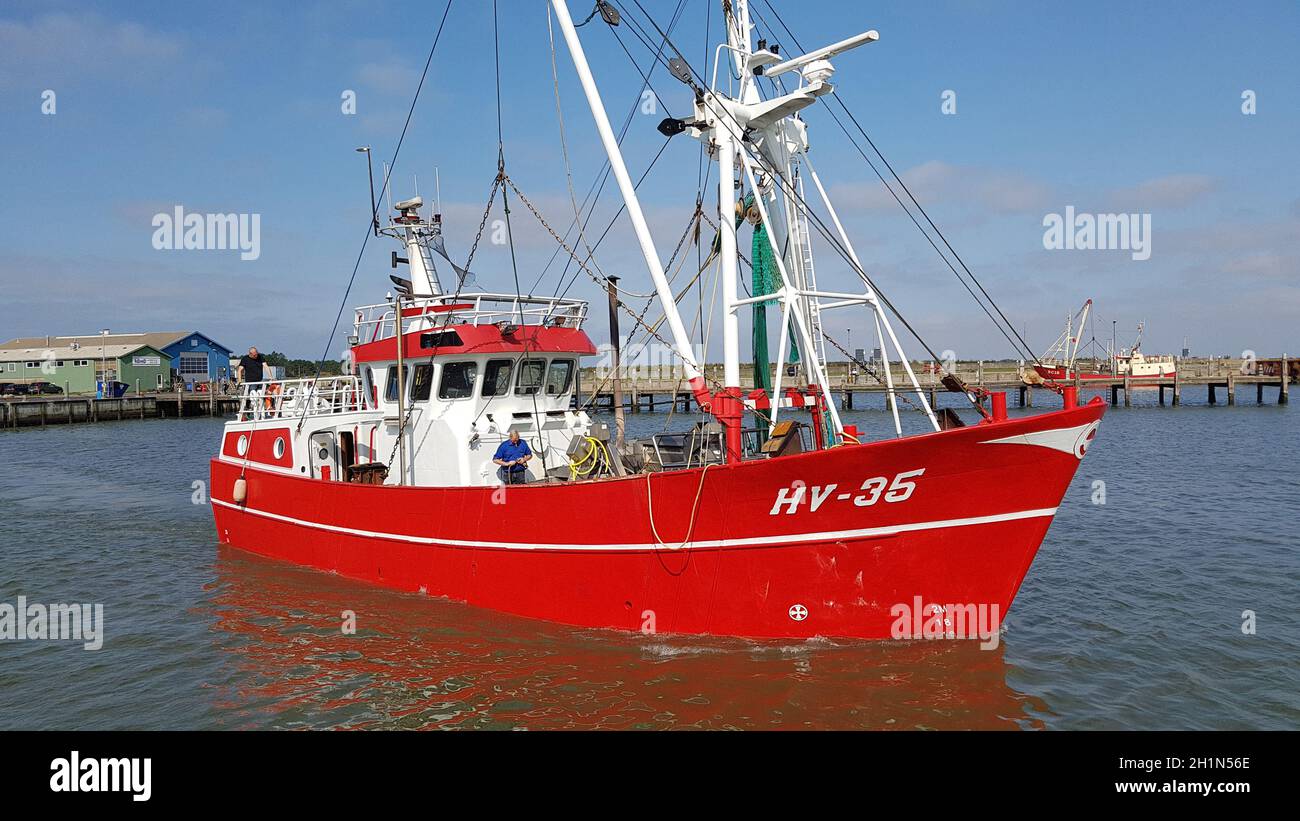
(853, 364)
(374, 206)
(103, 363)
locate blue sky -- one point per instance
(236, 107)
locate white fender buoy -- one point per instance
(240, 492)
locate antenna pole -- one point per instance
(388, 189)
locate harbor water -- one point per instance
(1165, 597)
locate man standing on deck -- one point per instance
(512, 456)
(250, 371)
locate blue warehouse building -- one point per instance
(195, 356)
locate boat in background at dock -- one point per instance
(1061, 362)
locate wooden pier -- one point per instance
(649, 395)
(661, 394)
(32, 411)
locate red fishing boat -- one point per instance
(1062, 362)
(769, 517)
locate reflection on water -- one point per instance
(1130, 617)
(417, 662)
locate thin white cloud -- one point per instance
(1172, 191)
(391, 76)
(938, 183)
(60, 47)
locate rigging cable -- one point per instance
(602, 177)
(510, 240)
(366, 241)
(791, 193)
(1022, 347)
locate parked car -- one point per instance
(43, 387)
(14, 389)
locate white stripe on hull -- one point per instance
(776, 540)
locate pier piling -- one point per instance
(1283, 391)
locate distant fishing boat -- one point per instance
(1062, 363)
(770, 517)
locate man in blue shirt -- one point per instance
(513, 456)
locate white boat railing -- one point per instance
(375, 322)
(289, 398)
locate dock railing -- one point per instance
(288, 398)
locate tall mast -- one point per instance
(727, 255)
(681, 340)
(736, 19)
(761, 137)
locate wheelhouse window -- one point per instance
(457, 380)
(370, 385)
(496, 378)
(558, 376)
(421, 382)
(440, 339)
(390, 390)
(531, 373)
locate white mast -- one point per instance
(730, 271)
(727, 142)
(762, 137)
(424, 282)
(681, 339)
(411, 230)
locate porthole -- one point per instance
(278, 448)
(241, 447)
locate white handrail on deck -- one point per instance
(375, 322)
(288, 398)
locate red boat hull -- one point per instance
(1058, 373)
(794, 547)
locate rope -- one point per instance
(690, 530)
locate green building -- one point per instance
(76, 365)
